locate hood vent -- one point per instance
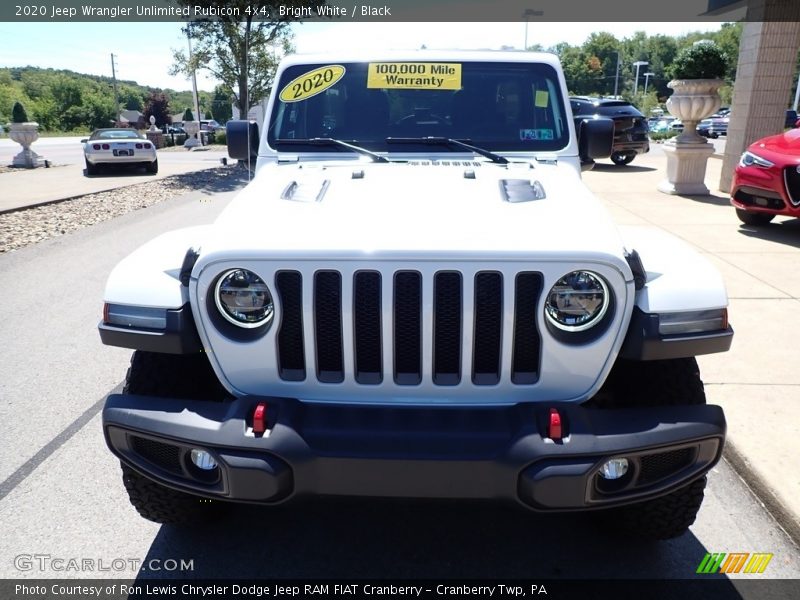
(521, 190)
(309, 191)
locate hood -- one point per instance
(786, 144)
(459, 208)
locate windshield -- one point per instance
(115, 134)
(494, 105)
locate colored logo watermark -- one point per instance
(734, 562)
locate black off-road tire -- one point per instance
(164, 505)
(170, 376)
(754, 218)
(655, 383)
(621, 159)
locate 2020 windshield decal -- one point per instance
(312, 83)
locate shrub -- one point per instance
(187, 115)
(656, 136)
(18, 114)
(703, 60)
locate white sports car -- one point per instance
(118, 147)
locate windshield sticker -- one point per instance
(535, 134)
(414, 76)
(542, 99)
(311, 83)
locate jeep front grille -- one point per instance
(455, 298)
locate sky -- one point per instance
(144, 50)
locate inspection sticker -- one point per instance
(311, 83)
(414, 76)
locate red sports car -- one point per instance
(767, 179)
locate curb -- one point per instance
(786, 519)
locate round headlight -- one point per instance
(577, 301)
(244, 299)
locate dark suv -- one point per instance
(630, 126)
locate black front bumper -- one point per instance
(442, 452)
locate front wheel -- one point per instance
(655, 383)
(187, 376)
(621, 159)
(754, 218)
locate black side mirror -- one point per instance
(242, 139)
(595, 137)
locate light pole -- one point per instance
(647, 77)
(637, 64)
(529, 12)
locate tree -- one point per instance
(221, 104)
(187, 115)
(158, 107)
(241, 51)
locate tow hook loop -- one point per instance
(554, 431)
(260, 418)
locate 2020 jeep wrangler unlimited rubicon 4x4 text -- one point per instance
(416, 296)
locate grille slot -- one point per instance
(291, 351)
(527, 341)
(166, 456)
(328, 326)
(407, 328)
(488, 328)
(447, 328)
(367, 327)
(658, 466)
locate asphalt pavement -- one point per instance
(66, 177)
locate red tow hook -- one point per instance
(260, 418)
(554, 430)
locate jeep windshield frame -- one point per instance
(497, 106)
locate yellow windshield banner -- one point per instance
(414, 76)
(311, 83)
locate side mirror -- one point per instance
(84, 140)
(595, 137)
(242, 139)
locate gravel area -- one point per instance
(32, 225)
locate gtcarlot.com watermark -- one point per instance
(73, 564)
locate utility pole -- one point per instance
(616, 77)
(116, 95)
(197, 116)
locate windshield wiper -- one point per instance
(443, 141)
(321, 141)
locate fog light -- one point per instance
(614, 468)
(203, 460)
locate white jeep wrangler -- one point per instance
(416, 296)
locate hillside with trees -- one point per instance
(61, 100)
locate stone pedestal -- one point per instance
(156, 137)
(25, 134)
(686, 168)
(192, 128)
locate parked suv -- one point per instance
(630, 125)
(416, 296)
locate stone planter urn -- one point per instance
(687, 154)
(25, 134)
(192, 128)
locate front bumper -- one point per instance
(442, 452)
